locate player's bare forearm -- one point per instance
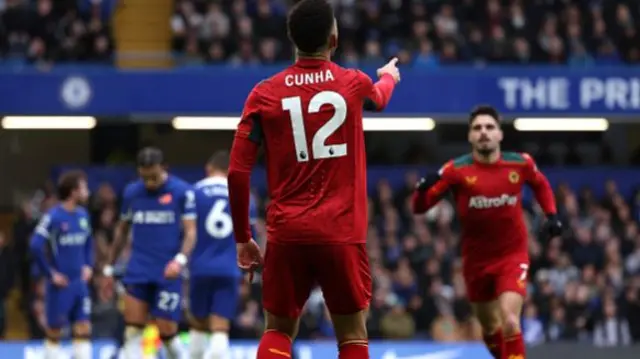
(243, 156)
(119, 240)
(380, 94)
(543, 193)
(189, 238)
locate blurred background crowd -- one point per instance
(42, 32)
(584, 286)
(426, 33)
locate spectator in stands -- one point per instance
(425, 34)
(54, 31)
(612, 329)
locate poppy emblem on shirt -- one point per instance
(471, 180)
(514, 177)
(64, 226)
(165, 199)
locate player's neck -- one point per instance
(217, 174)
(69, 205)
(488, 159)
(313, 56)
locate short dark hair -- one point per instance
(309, 25)
(69, 182)
(219, 160)
(149, 157)
(484, 110)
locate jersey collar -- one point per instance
(310, 62)
(212, 181)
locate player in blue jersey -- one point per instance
(159, 209)
(214, 275)
(62, 246)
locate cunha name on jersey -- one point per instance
(154, 217)
(309, 78)
(482, 202)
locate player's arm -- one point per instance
(120, 234)
(544, 195)
(39, 241)
(379, 93)
(243, 156)
(430, 190)
(253, 217)
(188, 227)
(376, 95)
(540, 186)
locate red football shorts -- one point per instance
(291, 271)
(485, 283)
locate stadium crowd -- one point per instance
(584, 286)
(426, 33)
(42, 32)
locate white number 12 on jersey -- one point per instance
(320, 150)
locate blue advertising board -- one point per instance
(528, 91)
(304, 350)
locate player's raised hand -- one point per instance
(172, 270)
(87, 273)
(249, 257)
(553, 226)
(59, 279)
(427, 182)
(390, 68)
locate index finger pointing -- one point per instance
(393, 61)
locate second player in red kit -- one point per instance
(487, 187)
(308, 120)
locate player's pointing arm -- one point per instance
(544, 195)
(379, 94)
(431, 188)
(243, 156)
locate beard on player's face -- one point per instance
(485, 149)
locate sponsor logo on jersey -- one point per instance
(482, 202)
(154, 217)
(73, 239)
(166, 199)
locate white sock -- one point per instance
(132, 343)
(197, 344)
(52, 350)
(82, 349)
(174, 348)
(218, 346)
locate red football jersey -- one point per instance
(308, 119)
(488, 199)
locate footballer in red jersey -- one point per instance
(487, 187)
(308, 120)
